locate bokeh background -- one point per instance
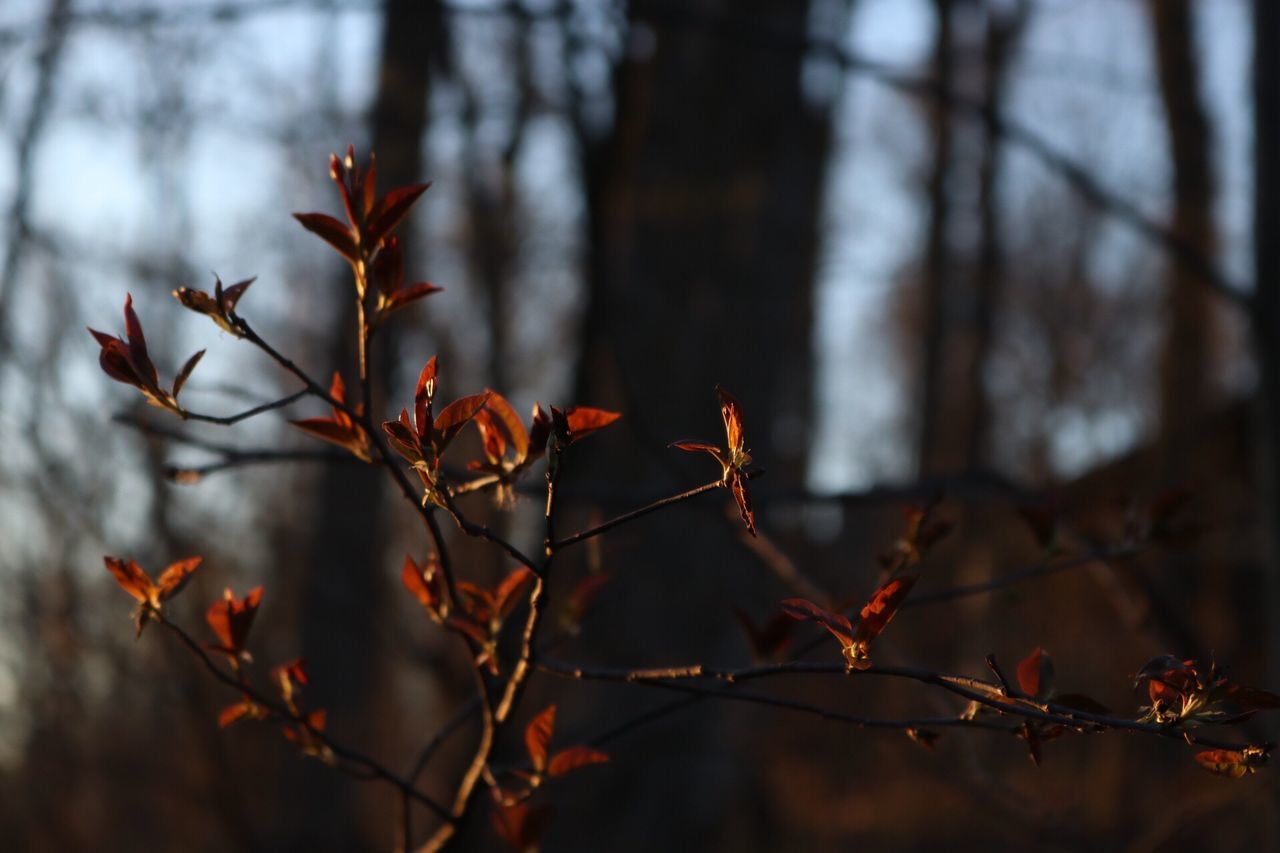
(1013, 250)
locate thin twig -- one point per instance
(228, 420)
(370, 766)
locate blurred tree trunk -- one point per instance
(342, 586)
(1187, 357)
(1266, 305)
(704, 208)
(933, 453)
(1001, 38)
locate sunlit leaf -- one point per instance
(572, 758)
(537, 737)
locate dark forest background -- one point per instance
(1003, 249)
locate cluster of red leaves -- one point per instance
(922, 532)
(220, 306)
(366, 240)
(150, 594)
(340, 428)
(230, 619)
(1187, 692)
(482, 613)
(127, 361)
(501, 430)
(516, 822)
(733, 459)
(423, 440)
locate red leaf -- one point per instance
(508, 592)
(584, 420)
(412, 293)
(185, 372)
(332, 232)
(1035, 674)
(512, 427)
(131, 577)
(574, 757)
(883, 606)
(738, 485)
(519, 825)
(138, 343)
(175, 577)
(389, 210)
(805, 610)
(455, 417)
(239, 710)
(695, 446)
(231, 618)
(421, 581)
(537, 737)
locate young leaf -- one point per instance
(519, 825)
(572, 758)
(231, 618)
(332, 232)
(875, 616)
(584, 420)
(537, 737)
(805, 610)
(131, 577)
(1035, 674)
(185, 372)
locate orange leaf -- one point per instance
(455, 417)
(507, 593)
(731, 413)
(574, 757)
(231, 618)
(174, 578)
(738, 485)
(584, 420)
(421, 581)
(537, 737)
(1226, 762)
(131, 577)
(883, 606)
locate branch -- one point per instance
(973, 689)
(228, 420)
(371, 768)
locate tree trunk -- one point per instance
(1187, 358)
(705, 203)
(344, 580)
